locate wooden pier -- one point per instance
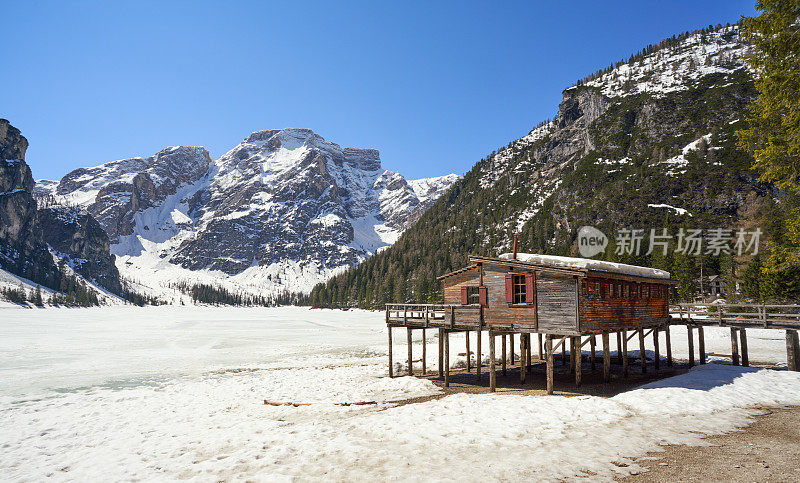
(445, 320)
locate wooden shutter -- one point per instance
(464, 296)
(509, 288)
(482, 295)
(528, 288)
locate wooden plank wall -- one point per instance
(557, 300)
(608, 311)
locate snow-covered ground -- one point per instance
(166, 393)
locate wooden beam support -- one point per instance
(642, 354)
(466, 339)
(528, 355)
(511, 347)
(572, 355)
(441, 353)
(606, 358)
(743, 345)
(734, 347)
(624, 353)
(592, 349)
(424, 351)
(564, 354)
(577, 358)
(492, 373)
(391, 364)
(446, 358)
(410, 355)
(478, 362)
(550, 363)
(669, 345)
(539, 336)
(504, 355)
(619, 348)
(691, 344)
(522, 365)
(701, 344)
(792, 350)
(657, 356)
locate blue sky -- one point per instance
(434, 85)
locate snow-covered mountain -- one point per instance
(278, 213)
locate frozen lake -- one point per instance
(173, 393)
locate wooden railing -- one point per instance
(765, 316)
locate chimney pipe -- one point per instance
(514, 256)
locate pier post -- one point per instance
(503, 339)
(619, 347)
(441, 353)
(466, 339)
(734, 347)
(624, 353)
(550, 362)
(701, 344)
(743, 345)
(522, 365)
(446, 358)
(528, 353)
(572, 355)
(592, 349)
(511, 347)
(424, 353)
(492, 374)
(539, 336)
(410, 363)
(642, 354)
(669, 345)
(577, 358)
(606, 358)
(792, 351)
(478, 362)
(691, 345)
(657, 356)
(391, 365)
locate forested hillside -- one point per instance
(646, 143)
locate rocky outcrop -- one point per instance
(81, 242)
(22, 249)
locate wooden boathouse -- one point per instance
(561, 299)
(572, 301)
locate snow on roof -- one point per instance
(587, 264)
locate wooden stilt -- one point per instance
(657, 356)
(792, 351)
(446, 358)
(541, 356)
(619, 348)
(478, 355)
(410, 356)
(528, 358)
(606, 358)
(564, 353)
(391, 364)
(669, 345)
(466, 338)
(511, 347)
(550, 362)
(503, 339)
(743, 344)
(701, 344)
(572, 355)
(424, 353)
(592, 349)
(492, 374)
(734, 347)
(624, 353)
(642, 354)
(441, 353)
(691, 345)
(522, 364)
(578, 361)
